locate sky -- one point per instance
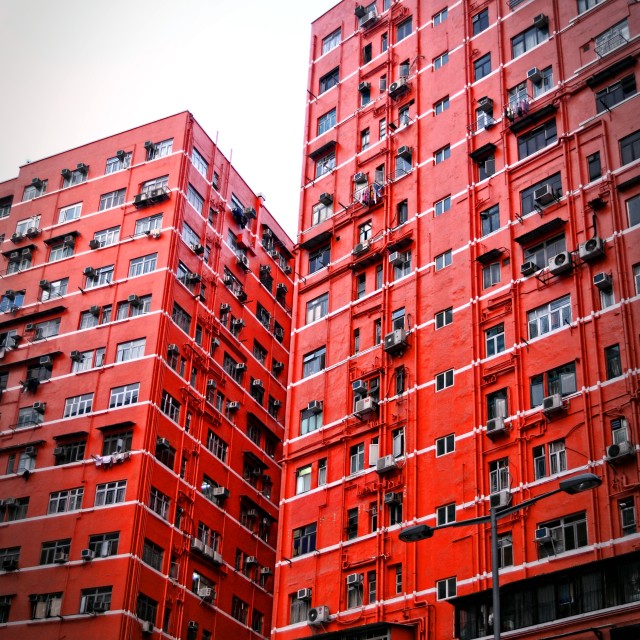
(76, 71)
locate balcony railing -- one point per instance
(611, 42)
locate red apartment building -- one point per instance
(146, 308)
(466, 323)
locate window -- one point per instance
(404, 29)
(382, 128)
(443, 318)
(52, 551)
(365, 137)
(612, 38)
(446, 588)
(329, 80)
(528, 39)
(319, 258)
(377, 331)
(325, 164)
(72, 212)
(445, 445)
(397, 440)
(35, 190)
(444, 260)
(594, 167)
(352, 524)
(70, 452)
(585, 5)
(403, 165)
(446, 514)
(440, 60)
(107, 237)
(195, 199)
(317, 308)
(126, 394)
(539, 462)
(152, 554)
(217, 446)
(146, 608)
(441, 105)
(490, 219)
(356, 458)
(398, 319)
(567, 533)
(112, 199)
(540, 254)
(441, 206)
(117, 442)
(327, 121)
(630, 147)
(494, 340)
(78, 405)
(18, 512)
(299, 609)
(45, 605)
(130, 350)
(444, 380)
(104, 544)
(537, 139)
(142, 265)
(480, 21)
(303, 480)
(110, 493)
(170, 406)
(440, 17)
(402, 212)
(367, 53)
(304, 540)
(199, 162)
(118, 163)
(322, 472)
(403, 267)
(613, 361)
(560, 380)
(482, 67)
(499, 479)
(181, 317)
(627, 516)
(549, 317)
(442, 154)
(633, 210)
(5, 208)
(528, 204)
(148, 224)
(331, 41)
(159, 503)
(497, 406)
(66, 500)
(400, 376)
(544, 84)
(314, 362)
(379, 275)
(505, 550)
(557, 457)
(99, 277)
(361, 285)
(636, 277)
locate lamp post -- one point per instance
(576, 484)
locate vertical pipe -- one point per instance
(495, 575)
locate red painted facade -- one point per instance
(144, 350)
(466, 323)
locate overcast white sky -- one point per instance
(79, 70)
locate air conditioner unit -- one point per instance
(39, 407)
(17, 237)
(265, 269)
(398, 87)
(9, 564)
(279, 332)
(360, 11)
(277, 404)
(192, 626)
(386, 463)
(591, 249)
(197, 545)
(90, 272)
(217, 557)
(94, 244)
(65, 173)
(250, 560)
(360, 177)
(141, 199)
(76, 356)
(364, 86)
(541, 21)
(315, 406)
(192, 278)
(620, 450)
(121, 154)
(147, 627)
(257, 383)
(273, 253)
(500, 499)
(60, 557)
(82, 167)
(87, 555)
(197, 248)
(360, 248)
(318, 615)
(46, 361)
(287, 269)
(495, 427)
(220, 492)
(173, 348)
(326, 199)
(32, 452)
(404, 152)
(534, 75)
(155, 234)
(354, 578)
(26, 252)
(396, 258)
(98, 607)
(542, 534)
(303, 594)
(163, 443)
(485, 104)
(225, 308)
(252, 513)
(552, 404)
(391, 497)
(277, 365)
(58, 452)
(365, 406)
(243, 261)
(266, 571)
(211, 384)
(237, 323)
(250, 212)
(528, 268)
(281, 289)
(561, 263)
(359, 387)
(134, 300)
(14, 255)
(396, 341)
(233, 406)
(45, 285)
(241, 366)
(149, 145)
(603, 281)
(370, 19)
(544, 195)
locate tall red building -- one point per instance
(146, 305)
(466, 323)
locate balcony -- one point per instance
(611, 42)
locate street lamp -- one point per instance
(577, 484)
